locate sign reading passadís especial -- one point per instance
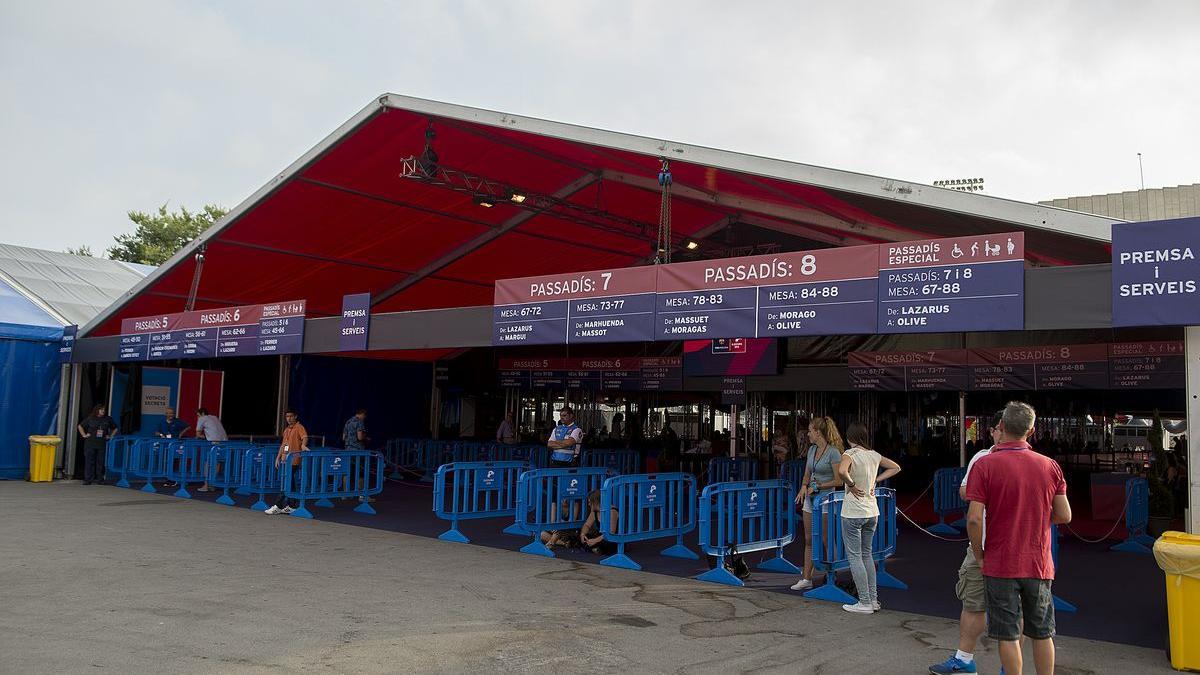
(824, 292)
(1156, 273)
(959, 284)
(602, 306)
(276, 328)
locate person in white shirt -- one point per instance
(970, 589)
(859, 470)
(566, 440)
(209, 428)
(506, 433)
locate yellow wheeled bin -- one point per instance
(41, 458)
(1178, 554)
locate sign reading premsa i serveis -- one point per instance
(1155, 273)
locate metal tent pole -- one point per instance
(1191, 346)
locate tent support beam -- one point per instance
(475, 244)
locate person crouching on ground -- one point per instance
(859, 471)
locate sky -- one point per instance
(118, 106)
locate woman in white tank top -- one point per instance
(859, 470)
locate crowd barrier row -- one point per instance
(947, 501)
(319, 475)
(829, 548)
(743, 517)
(1137, 518)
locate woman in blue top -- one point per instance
(820, 478)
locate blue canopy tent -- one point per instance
(29, 377)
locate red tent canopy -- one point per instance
(344, 219)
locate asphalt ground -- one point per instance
(98, 577)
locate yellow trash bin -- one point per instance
(41, 458)
(1178, 554)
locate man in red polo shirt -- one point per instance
(1024, 493)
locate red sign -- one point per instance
(597, 284)
(827, 264)
(983, 248)
(212, 318)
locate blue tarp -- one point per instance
(29, 378)
(326, 390)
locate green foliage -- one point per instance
(84, 250)
(159, 235)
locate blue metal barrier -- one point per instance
(946, 499)
(536, 456)
(398, 452)
(260, 476)
(148, 461)
(732, 469)
(1060, 605)
(554, 499)
(792, 472)
(743, 517)
(829, 549)
(185, 463)
(1137, 517)
(650, 506)
(622, 462)
(117, 454)
(223, 468)
(323, 475)
(468, 490)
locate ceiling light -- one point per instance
(691, 244)
(516, 197)
(485, 202)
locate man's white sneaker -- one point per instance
(876, 606)
(858, 608)
(288, 509)
(802, 585)
(273, 510)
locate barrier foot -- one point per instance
(1144, 539)
(830, 592)
(960, 524)
(516, 529)
(885, 579)
(720, 575)
(1061, 605)
(124, 482)
(148, 487)
(182, 492)
(243, 491)
(365, 507)
(427, 478)
(620, 560)
(260, 505)
(779, 564)
(1131, 546)
(226, 499)
(454, 535)
(302, 512)
(323, 502)
(944, 529)
(679, 551)
(536, 547)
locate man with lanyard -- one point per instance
(566, 441)
(172, 426)
(295, 441)
(1024, 493)
(970, 589)
(95, 431)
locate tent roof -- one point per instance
(66, 288)
(343, 218)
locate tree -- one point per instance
(84, 250)
(160, 235)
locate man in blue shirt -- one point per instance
(354, 434)
(566, 441)
(171, 427)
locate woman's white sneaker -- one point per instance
(273, 510)
(802, 585)
(859, 608)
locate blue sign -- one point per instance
(571, 487)
(961, 284)
(652, 495)
(68, 343)
(750, 503)
(488, 479)
(628, 318)
(356, 321)
(337, 466)
(1155, 273)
